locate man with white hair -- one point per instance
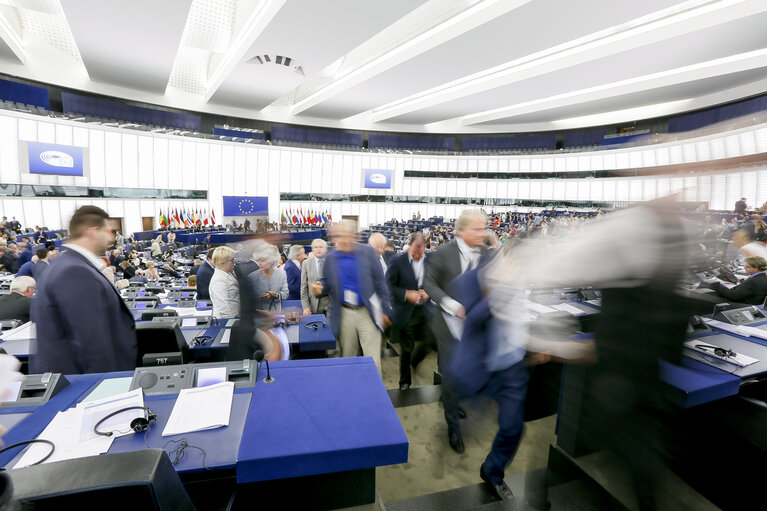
(312, 272)
(352, 279)
(445, 264)
(16, 304)
(296, 256)
(378, 242)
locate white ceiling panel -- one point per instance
(313, 35)
(132, 44)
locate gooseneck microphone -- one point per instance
(260, 358)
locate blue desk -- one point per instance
(236, 237)
(339, 422)
(330, 417)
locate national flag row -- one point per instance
(175, 217)
(296, 217)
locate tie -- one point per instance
(320, 268)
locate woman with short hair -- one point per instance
(270, 284)
(224, 289)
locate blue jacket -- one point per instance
(294, 280)
(26, 270)
(83, 325)
(25, 256)
(371, 281)
(468, 366)
(39, 269)
(204, 274)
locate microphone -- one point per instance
(260, 358)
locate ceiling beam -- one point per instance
(11, 38)
(394, 49)
(261, 16)
(684, 18)
(704, 70)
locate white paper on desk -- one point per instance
(750, 331)
(198, 409)
(227, 335)
(26, 331)
(64, 432)
(185, 311)
(739, 359)
(537, 307)
(597, 302)
(454, 324)
(94, 411)
(566, 307)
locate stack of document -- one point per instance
(71, 431)
(201, 408)
(22, 332)
(575, 311)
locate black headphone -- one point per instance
(200, 340)
(315, 325)
(718, 351)
(138, 425)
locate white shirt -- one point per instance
(383, 263)
(225, 294)
(87, 254)
(468, 255)
(418, 269)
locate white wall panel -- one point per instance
(113, 160)
(145, 162)
(201, 166)
(240, 168)
(691, 189)
(9, 150)
(719, 192)
(734, 191)
(227, 170)
(33, 212)
(547, 189)
(97, 158)
(596, 190)
(51, 214)
(649, 188)
(161, 162)
(189, 161)
(130, 161)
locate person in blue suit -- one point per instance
(42, 265)
(83, 325)
(26, 255)
(204, 274)
(359, 296)
(490, 360)
(296, 256)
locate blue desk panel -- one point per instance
(310, 339)
(319, 416)
(221, 238)
(694, 383)
(220, 445)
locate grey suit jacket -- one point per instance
(444, 266)
(318, 305)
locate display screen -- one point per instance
(10, 392)
(210, 376)
(55, 159)
(377, 178)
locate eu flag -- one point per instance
(239, 205)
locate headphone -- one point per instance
(138, 425)
(315, 325)
(201, 340)
(719, 352)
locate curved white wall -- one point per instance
(130, 159)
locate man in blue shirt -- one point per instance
(359, 296)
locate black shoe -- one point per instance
(501, 491)
(404, 386)
(461, 413)
(455, 439)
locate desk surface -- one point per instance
(318, 416)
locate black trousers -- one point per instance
(412, 343)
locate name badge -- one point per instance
(350, 297)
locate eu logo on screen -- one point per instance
(55, 159)
(377, 178)
(235, 205)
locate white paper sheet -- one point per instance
(94, 411)
(227, 335)
(739, 359)
(454, 324)
(537, 307)
(64, 432)
(26, 331)
(282, 336)
(566, 307)
(198, 409)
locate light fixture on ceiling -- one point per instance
(628, 114)
(278, 60)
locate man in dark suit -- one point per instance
(26, 255)
(449, 261)
(296, 256)
(753, 290)
(311, 272)
(42, 264)
(359, 297)
(204, 274)
(390, 251)
(740, 206)
(16, 304)
(83, 325)
(409, 301)
(9, 258)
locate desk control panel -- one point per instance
(34, 390)
(171, 379)
(740, 316)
